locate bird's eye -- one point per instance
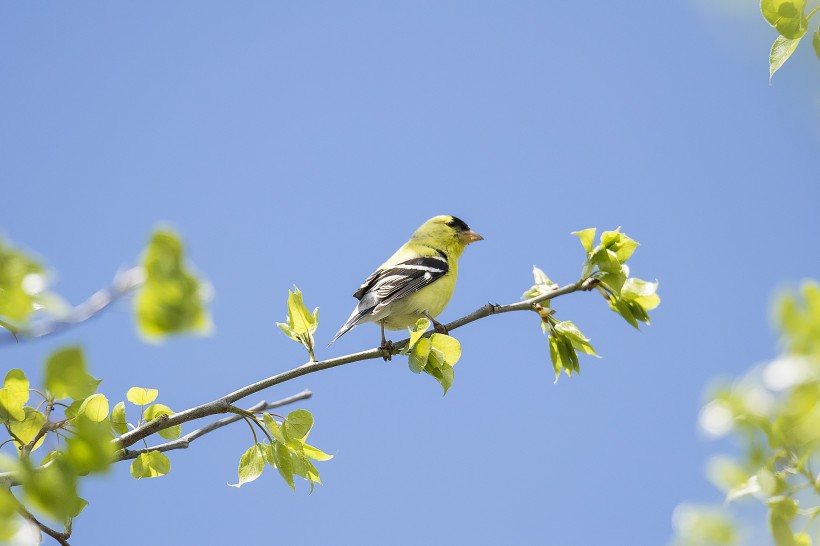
(458, 224)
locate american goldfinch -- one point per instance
(417, 281)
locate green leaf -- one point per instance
(66, 377)
(281, 458)
(118, 422)
(418, 357)
(251, 464)
(782, 49)
(95, 407)
(52, 489)
(27, 428)
(19, 299)
(562, 355)
(587, 237)
(171, 301)
(155, 410)
(786, 16)
(543, 285)
(449, 346)
(315, 453)
(17, 386)
(418, 330)
(90, 448)
(815, 42)
(297, 425)
(150, 465)
(577, 339)
(8, 515)
(141, 396)
(301, 324)
(273, 428)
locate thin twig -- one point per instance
(124, 282)
(222, 405)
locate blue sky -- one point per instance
(302, 143)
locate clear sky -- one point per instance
(301, 143)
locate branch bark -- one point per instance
(124, 282)
(221, 405)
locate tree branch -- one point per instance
(184, 441)
(61, 538)
(222, 405)
(124, 282)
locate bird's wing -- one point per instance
(397, 281)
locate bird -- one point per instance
(415, 282)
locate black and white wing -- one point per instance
(385, 286)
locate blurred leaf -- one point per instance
(8, 515)
(251, 464)
(90, 448)
(19, 299)
(118, 422)
(782, 49)
(66, 377)
(786, 16)
(141, 396)
(95, 407)
(155, 410)
(297, 425)
(171, 301)
(815, 42)
(52, 489)
(703, 526)
(150, 465)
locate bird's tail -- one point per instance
(351, 322)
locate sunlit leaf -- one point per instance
(155, 410)
(782, 49)
(118, 422)
(141, 396)
(251, 464)
(587, 237)
(95, 407)
(297, 425)
(29, 426)
(418, 329)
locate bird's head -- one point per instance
(446, 232)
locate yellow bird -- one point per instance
(417, 281)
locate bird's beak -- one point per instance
(470, 237)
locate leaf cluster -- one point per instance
(775, 414)
(286, 450)
(790, 20)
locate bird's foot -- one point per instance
(387, 349)
(439, 327)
